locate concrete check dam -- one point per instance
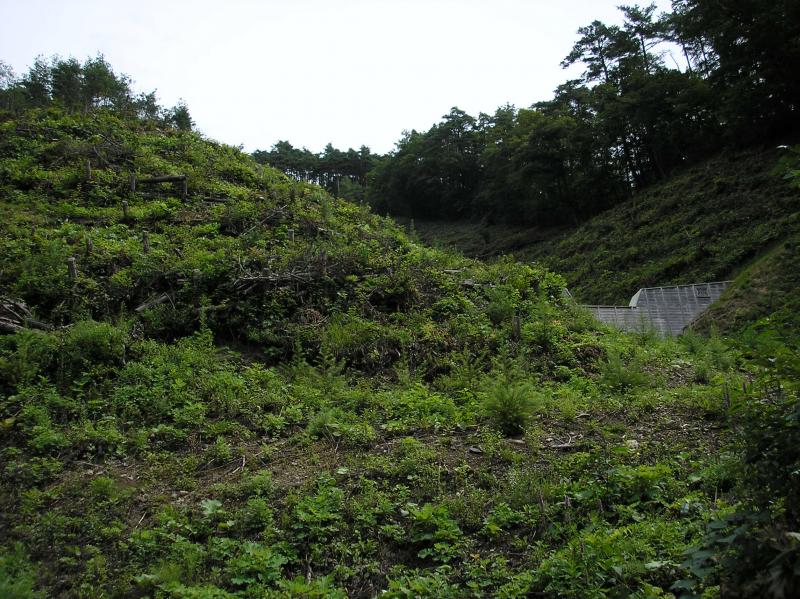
(667, 310)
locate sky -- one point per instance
(348, 72)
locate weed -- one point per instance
(220, 452)
(17, 574)
(435, 532)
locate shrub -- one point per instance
(17, 574)
(509, 406)
(318, 517)
(220, 452)
(432, 584)
(755, 550)
(615, 374)
(623, 562)
(255, 564)
(325, 424)
(26, 355)
(500, 306)
(91, 343)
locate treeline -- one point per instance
(629, 120)
(83, 87)
(340, 172)
(657, 92)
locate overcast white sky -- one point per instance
(349, 72)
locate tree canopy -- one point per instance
(637, 113)
(83, 87)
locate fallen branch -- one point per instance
(569, 444)
(7, 326)
(15, 316)
(153, 302)
(163, 179)
(279, 277)
(279, 212)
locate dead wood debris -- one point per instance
(15, 316)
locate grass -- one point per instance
(766, 289)
(288, 396)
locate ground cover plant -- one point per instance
(263, 391)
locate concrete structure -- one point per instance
(667, 310)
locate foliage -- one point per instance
(621, 376)
(707, 223)
(434, 530)
(631, 119)
(17, 576)
(509, 406)
(68, 84)
(286, 395)
(340, 173)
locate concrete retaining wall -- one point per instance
(667, 310)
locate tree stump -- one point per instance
(72, 267)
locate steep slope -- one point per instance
(260, 392)
(766, 294)
(704, 224)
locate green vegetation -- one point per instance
(244, 386)
(767, 289)
(340, 173)
(82, 88)
(281, 394)
(704, 224)
(637, 115)
(733, 217)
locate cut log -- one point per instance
(35, 324)
(72, 267)
(153, 302)
(7, 326)
(15, 316)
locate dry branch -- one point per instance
(153, 302)
(15, 316)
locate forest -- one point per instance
(81, 88)
(659, 92)
(229, 375)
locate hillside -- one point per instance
(261, 391)
(706, 223)
(764, 295)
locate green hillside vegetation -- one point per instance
(708, 223)
(704, 224)
(735, 217)
(765, 295)
(266, 392)
(480, 239)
